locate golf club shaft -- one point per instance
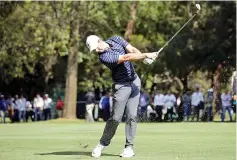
(176, 33)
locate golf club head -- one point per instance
(198, 7)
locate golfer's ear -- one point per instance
(129, 48)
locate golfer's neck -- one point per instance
(106, 45)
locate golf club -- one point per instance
(157, 53)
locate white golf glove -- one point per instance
(148, 61)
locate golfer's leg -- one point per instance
(131, 124)
(120, 99)
(131, 112)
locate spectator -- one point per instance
(59, 107)
(226, 104)
(197, 101)
(208, 101)
(22, 109)
(170, 102)
(3, 109)
(106, 105)
(159, 105)
(179, 108)
(38, 106)
(11, 105)
(151, 113)
(17, 109)
(186, 100)
(47, 107)
(144, 102)
(234, 104)
(29, 111)
(217, 103)
(90, 103)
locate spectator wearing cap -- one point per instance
(47, 107)
(38, 106)
(208, 102)
(226, 105)
(3, 109)
(197, 101)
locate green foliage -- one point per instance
(31, 32)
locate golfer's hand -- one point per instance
(152, 55)
(148, 61)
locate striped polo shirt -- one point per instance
(123, 72)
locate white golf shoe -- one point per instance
(127, 152)
(97, 151)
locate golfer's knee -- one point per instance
(131, 117)
(116, 119)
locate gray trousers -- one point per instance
(125, 99)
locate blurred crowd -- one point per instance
(156, 107)
(189, 106)
(21, 109)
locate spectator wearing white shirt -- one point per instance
(170, 101)
(17, 109)
(29, 111)
(159, 101)
(226, 104)
(38, 106)
(197, 104)
(22, 108)
(47, 107)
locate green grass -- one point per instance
(73, 140)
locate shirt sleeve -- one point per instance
(121, 41)
(110, 59)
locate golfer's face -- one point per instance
(100, 47)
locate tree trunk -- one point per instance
(130, 25)
(184, 81)
(216, 86)
(71, 77)
(48, 66)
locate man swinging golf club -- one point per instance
(117, 54)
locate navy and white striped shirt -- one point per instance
(123, 72)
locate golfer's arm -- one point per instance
(131, 57)
(131, 49)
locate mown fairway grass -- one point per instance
(71, 140)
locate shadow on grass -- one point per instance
(66, 153)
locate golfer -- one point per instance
(116, 54)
